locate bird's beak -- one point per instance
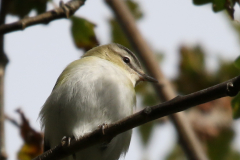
(144, 77)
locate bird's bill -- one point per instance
(144, 77)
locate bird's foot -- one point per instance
(104, 145)
(103, 127)
(67, 140)
(65, 8)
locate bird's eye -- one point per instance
(126, 59)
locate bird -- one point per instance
(98, 88)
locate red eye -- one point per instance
(126, 59)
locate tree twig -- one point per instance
(65, 10)
(3, 63)
(188, 139)
(12, 120)
(180, 103)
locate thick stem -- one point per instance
(190, 143)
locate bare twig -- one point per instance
(3, 63)
(12, 120)
(188, 139)
(65, 10)
(180, 103)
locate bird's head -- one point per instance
(122, 57)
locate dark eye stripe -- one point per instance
(130, 53)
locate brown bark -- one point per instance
(64, 11)
(3, 63)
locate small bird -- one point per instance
(94, 90)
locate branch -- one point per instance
(188, 139)
(3, 63)
(12, 120)
(64, 11)
(180, 103)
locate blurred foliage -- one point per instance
(22, 8)
(236, 106)
(211, 121)
(193, 74)
(236, 99)
(226, 71)
(236, 26)
(83, 33)
(146, 130)
(117, 34)
(32, 139)
(150, 98)
(135, 9)
(176, 154)
(219, 148)
(192, 65)
(219, 5)
(237, 62)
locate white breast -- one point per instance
(94, 92)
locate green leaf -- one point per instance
(236, 106)
(22, 8)
(201, 2)
(218, 5)
(237, 62)
(83, 33)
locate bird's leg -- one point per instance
(65, 8)
(103, 126)
(67, 140)
(104, 145)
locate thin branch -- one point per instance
(12, 120)
(180, 103)
(188, 139)
(64, 11)
(3, 63)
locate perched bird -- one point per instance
(94, 90)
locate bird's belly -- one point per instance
(106, 106)
(90, 99)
